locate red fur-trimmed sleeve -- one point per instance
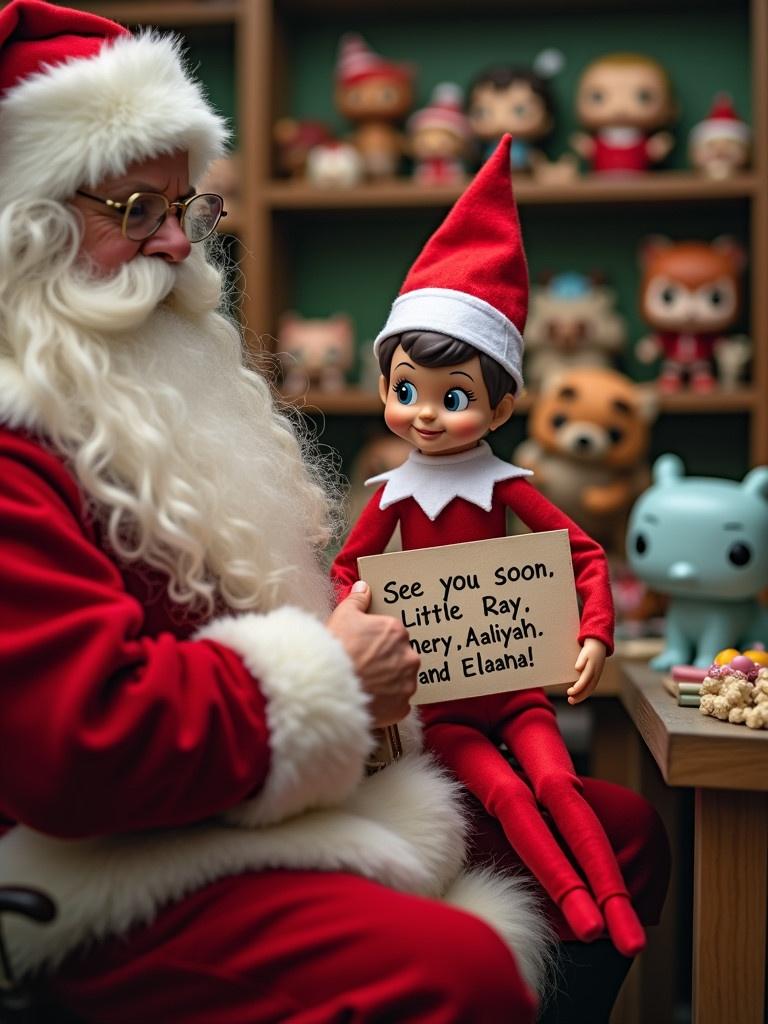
(590, 566)
(107, 729)
(369, 536)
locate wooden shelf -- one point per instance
(402, 193)
(350, 402)
(739, 400)
(356, 402)
(353, 8)
(171, 13)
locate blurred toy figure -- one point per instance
(335, 165)
(719, 145)
(702, 541)
(315, 352)
(572, 322)
(623, 99)
(515, 100)
(293, 142)
(589, 433)
(380, 453)
(375, 94)
(438, 137)
(518, 100)
(690, 295)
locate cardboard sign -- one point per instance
(486, 617)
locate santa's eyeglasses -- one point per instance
(144, 213)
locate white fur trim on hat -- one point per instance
(319, 728)
(720, 128)
(462, 316)
(73, 124)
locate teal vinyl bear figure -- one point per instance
(704, 542)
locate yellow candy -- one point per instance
(726, 657)
(759, 657)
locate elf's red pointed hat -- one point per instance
(471, 279)
(81, 98)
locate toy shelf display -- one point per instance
(346, 249)
(321, 252)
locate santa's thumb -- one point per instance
(360, 596)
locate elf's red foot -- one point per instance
(583, 915)
(624, 928)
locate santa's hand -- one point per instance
(589, 665)
(383, 659)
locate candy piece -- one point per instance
(759, 657)
(726, 657)
(741, 663)
(688, 674)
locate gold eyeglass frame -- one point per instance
(180, 204)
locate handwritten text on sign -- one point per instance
(486, 617)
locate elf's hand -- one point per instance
(589, 665)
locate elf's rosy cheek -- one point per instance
(397, 417)
(466, 425)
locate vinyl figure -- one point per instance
(451, 356)
(515, 100)
(294, 141)
(690, 295)
(375, 95)
(719, 145)
(588, 441)
(701, 541)
(623, 99)
(438, 138)
(572, 322)
(315, 351)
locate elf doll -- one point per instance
(451, 356)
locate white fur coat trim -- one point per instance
(72, 124)
(402, 827)
(319, 728)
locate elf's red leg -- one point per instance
(476, 761)
(535, 740)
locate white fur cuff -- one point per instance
(319, 729)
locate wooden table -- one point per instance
(727, 766)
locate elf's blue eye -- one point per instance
(406, 392)
(456, 400)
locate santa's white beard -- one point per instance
(177, 446)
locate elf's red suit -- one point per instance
(465, 733)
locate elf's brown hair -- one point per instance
(430, 348)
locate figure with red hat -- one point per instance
(718, 146)
(451, 356)
(438, 138)
(375, 94)
(185, 720)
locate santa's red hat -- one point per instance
(81, 98)
(471, 280)
(445, 110)
(721, 122)
(357, 61)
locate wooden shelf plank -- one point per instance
(740, 400)
(692, 749)
(352, 8)
(356, 402)
(170, 13)
(657, 187)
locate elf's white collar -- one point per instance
(434, 480)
